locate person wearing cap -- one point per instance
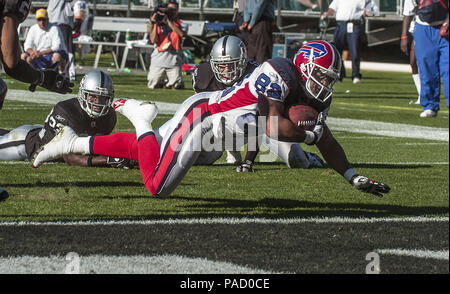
(43, 45)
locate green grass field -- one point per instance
(416, 169)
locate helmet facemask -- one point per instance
(93, 109)
(319, 80)
(228, 59)
(226, 70)
(96, 93)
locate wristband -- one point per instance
(404, 37)
(310, 137)
(349, 174)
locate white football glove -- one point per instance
(367, 185)
(314, 136)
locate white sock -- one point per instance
(81, 145)
(142, 128)
(416, 79)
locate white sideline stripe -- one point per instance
(233, 221)
(442, 254)
(106, 264)
(379, 66)
(338, 124)
(390, 163)
(387, 129)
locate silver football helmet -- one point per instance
(228, 59)
(96, 93)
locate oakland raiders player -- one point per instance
(221, 114)
(12, 13)
(89, 114)
(228, 65)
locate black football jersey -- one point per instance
(69, 113)
(19, 8)
(203, 79)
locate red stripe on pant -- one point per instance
(121, 145)
(172, 147)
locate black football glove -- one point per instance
(245, 167)
(56, 82)
(124, 163)
(369, 186)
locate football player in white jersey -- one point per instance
(231, 113)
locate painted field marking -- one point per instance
(365, 105)
(134, 264)
(234, 221)
(11, 162)
(441, 255)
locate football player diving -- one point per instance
(89, 114)
(12, 13)
(228, 65)
(165, 161)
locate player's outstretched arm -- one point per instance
(98, 161)
(335, 156)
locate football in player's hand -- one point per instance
(303, 116)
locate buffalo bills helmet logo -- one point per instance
(317, 49)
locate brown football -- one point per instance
(303, 116)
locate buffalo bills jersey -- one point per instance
(69, 113)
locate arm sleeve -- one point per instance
(333, 5)
(409, 8)
(56, 39)
(29, 41)
(258, 10)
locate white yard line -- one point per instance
(337, 124)
(106, 264)
(390, 163)
(234, 221)
(441, 255)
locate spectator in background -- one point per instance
(349, 15)
(413, 61)
(258, 21)
(43, 45)
(431, 48)
(61, 13)
(166, 32)
(312, 4)
(238, 19)
(82, 26)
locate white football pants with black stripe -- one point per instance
(12, 144)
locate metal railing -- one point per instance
(386, 6)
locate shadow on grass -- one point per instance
(300, 208)
(82, 184)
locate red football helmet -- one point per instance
(319, 62)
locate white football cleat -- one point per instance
(314, 160)
(136, 111)
(234, 157)
(60, 145)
